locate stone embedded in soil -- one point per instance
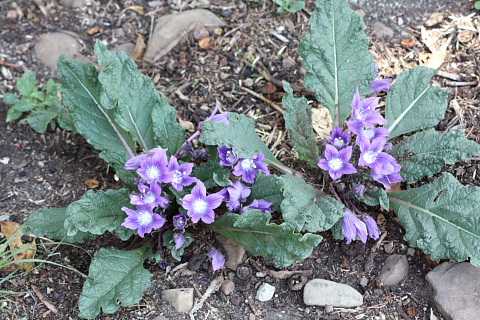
(73, 3)
(181, 298)
(455, 288)
(170, 26)
(382, 31)
(234, 252)
(265, 292)
(394, 271)
(320, 292)
(228, 286)
(51, 45)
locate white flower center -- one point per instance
(248, 165)
(153, 172)
(338, 142)
(370, 157)
(335, 164)
(367, 132)
(145, 218)
(199, 206)
(148, 197)
(362, 113)
(177, 176)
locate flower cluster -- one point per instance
(237, 193)
(247, 168)
(353, 227)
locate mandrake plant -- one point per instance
(236, 187)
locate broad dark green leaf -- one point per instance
(336, 56)
(376, 197)
(254, 231)
(426, 152)
(298, 119)
(269, 188)
(206, 172)
(115, 278)
(441, 218)
(413, 103)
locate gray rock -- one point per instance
(234, 252)
(381, 31)
(265, 292)
(228, 286)
(181, 299)
(320, 292)
(411, 251)
(394, 271)
(51, 45)
(455, 288)
(169, 27)
(73, 3)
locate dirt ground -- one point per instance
(50, 169)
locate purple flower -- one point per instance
(352, 227)
(358, 190)
(151, 196)
(179, 240)
(200, 155)
(135, 162)
(218, 261)
(372, 155)
(181, 173)
(387, 173)
(180, 221)
(142, 219)
(155, 168)
(199, 205)
(379, 85)
(220, 117)
(365, 111)
(259, 204)
(372, 227)
(228, 156)
(340, 139)
(336, 162)
(248, 168)
(235, 194)
(363, 131)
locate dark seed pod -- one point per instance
(199, 156)
(184, 151)
(244, 273)
(297, 281)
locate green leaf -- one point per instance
(413, 103)
(428, 151)
(131, 93)
(10, 98)
(206, 173)
(39, 120)
(25, 105)
(441, 218)
(222, 179)
(240, 134)
(376, 197)
(298, 119)
(81, 92)
(253, 230)
(477, 5)
(13, 114)
(336, 57)
(168, 132)
(306, 207)
(170, 244)
(50, 223)
(26, 84)
(115, 278)
(98, 212)
(296, 6)
(269, 188)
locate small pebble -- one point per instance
(363, 282)
(411, 251)
(228, 286)
(265, 292)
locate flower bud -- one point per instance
(358, 190)
(180, 221)
(184, 151)
(199, 156)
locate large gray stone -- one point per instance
(181, 298)
(51, 45)
(455, 288)
(169, 27)
(395, 270)
(320, 292)
(234, 252)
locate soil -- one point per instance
(52, 169)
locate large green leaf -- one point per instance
(130, 92)
(441, 218)
(240, 133)
(413, 103)
(298, 119)
(98, 212)
(207, 172)
(254, 231)
(81, 93)
(269, 188)
(427, 151)
(336, 57)
(306, 207)
(115, 278)
(49, 223)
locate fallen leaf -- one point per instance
(435, 18)
(269, 88)
(437, 45)
(92, 183)
(14, 236)
(187, 125)
(140, 46)
(93, 30)
(138, 9)
(322, 122)
(408, 43)
(206, 43)
(412, 311)
(394, 187)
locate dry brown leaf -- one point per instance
(322, 122)
(408, 43)
(206, 43)
(138, 9)
(435, 18)
(394, 187)
(92, 183)
(140, 46)
(437, 44)
(269, 88)
(14, 235)
(93, 30)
